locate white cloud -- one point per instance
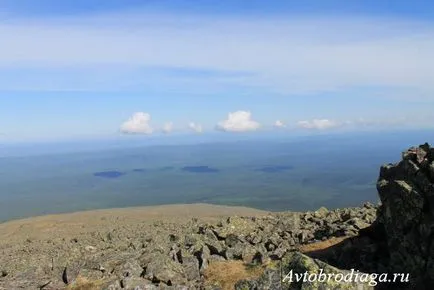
(138, 123)
(167, 127)
(294, 55)
(279, 124)
(239, 121)
(195, 127)
(319, 124)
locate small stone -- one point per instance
(91, 249)
(321, 212)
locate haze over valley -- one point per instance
(276, 174)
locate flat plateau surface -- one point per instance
(78, 223)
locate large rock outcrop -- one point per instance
(406, 191)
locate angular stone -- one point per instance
(321, 212)
(163, 269)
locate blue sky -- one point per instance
(74, 69)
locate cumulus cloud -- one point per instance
(195, 127)
(138, 123)
(279, 124)
(239, 121)
(319, 124)
(167, 128)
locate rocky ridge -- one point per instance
(406, 191)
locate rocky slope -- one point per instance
(195, 249)
(168, 253)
